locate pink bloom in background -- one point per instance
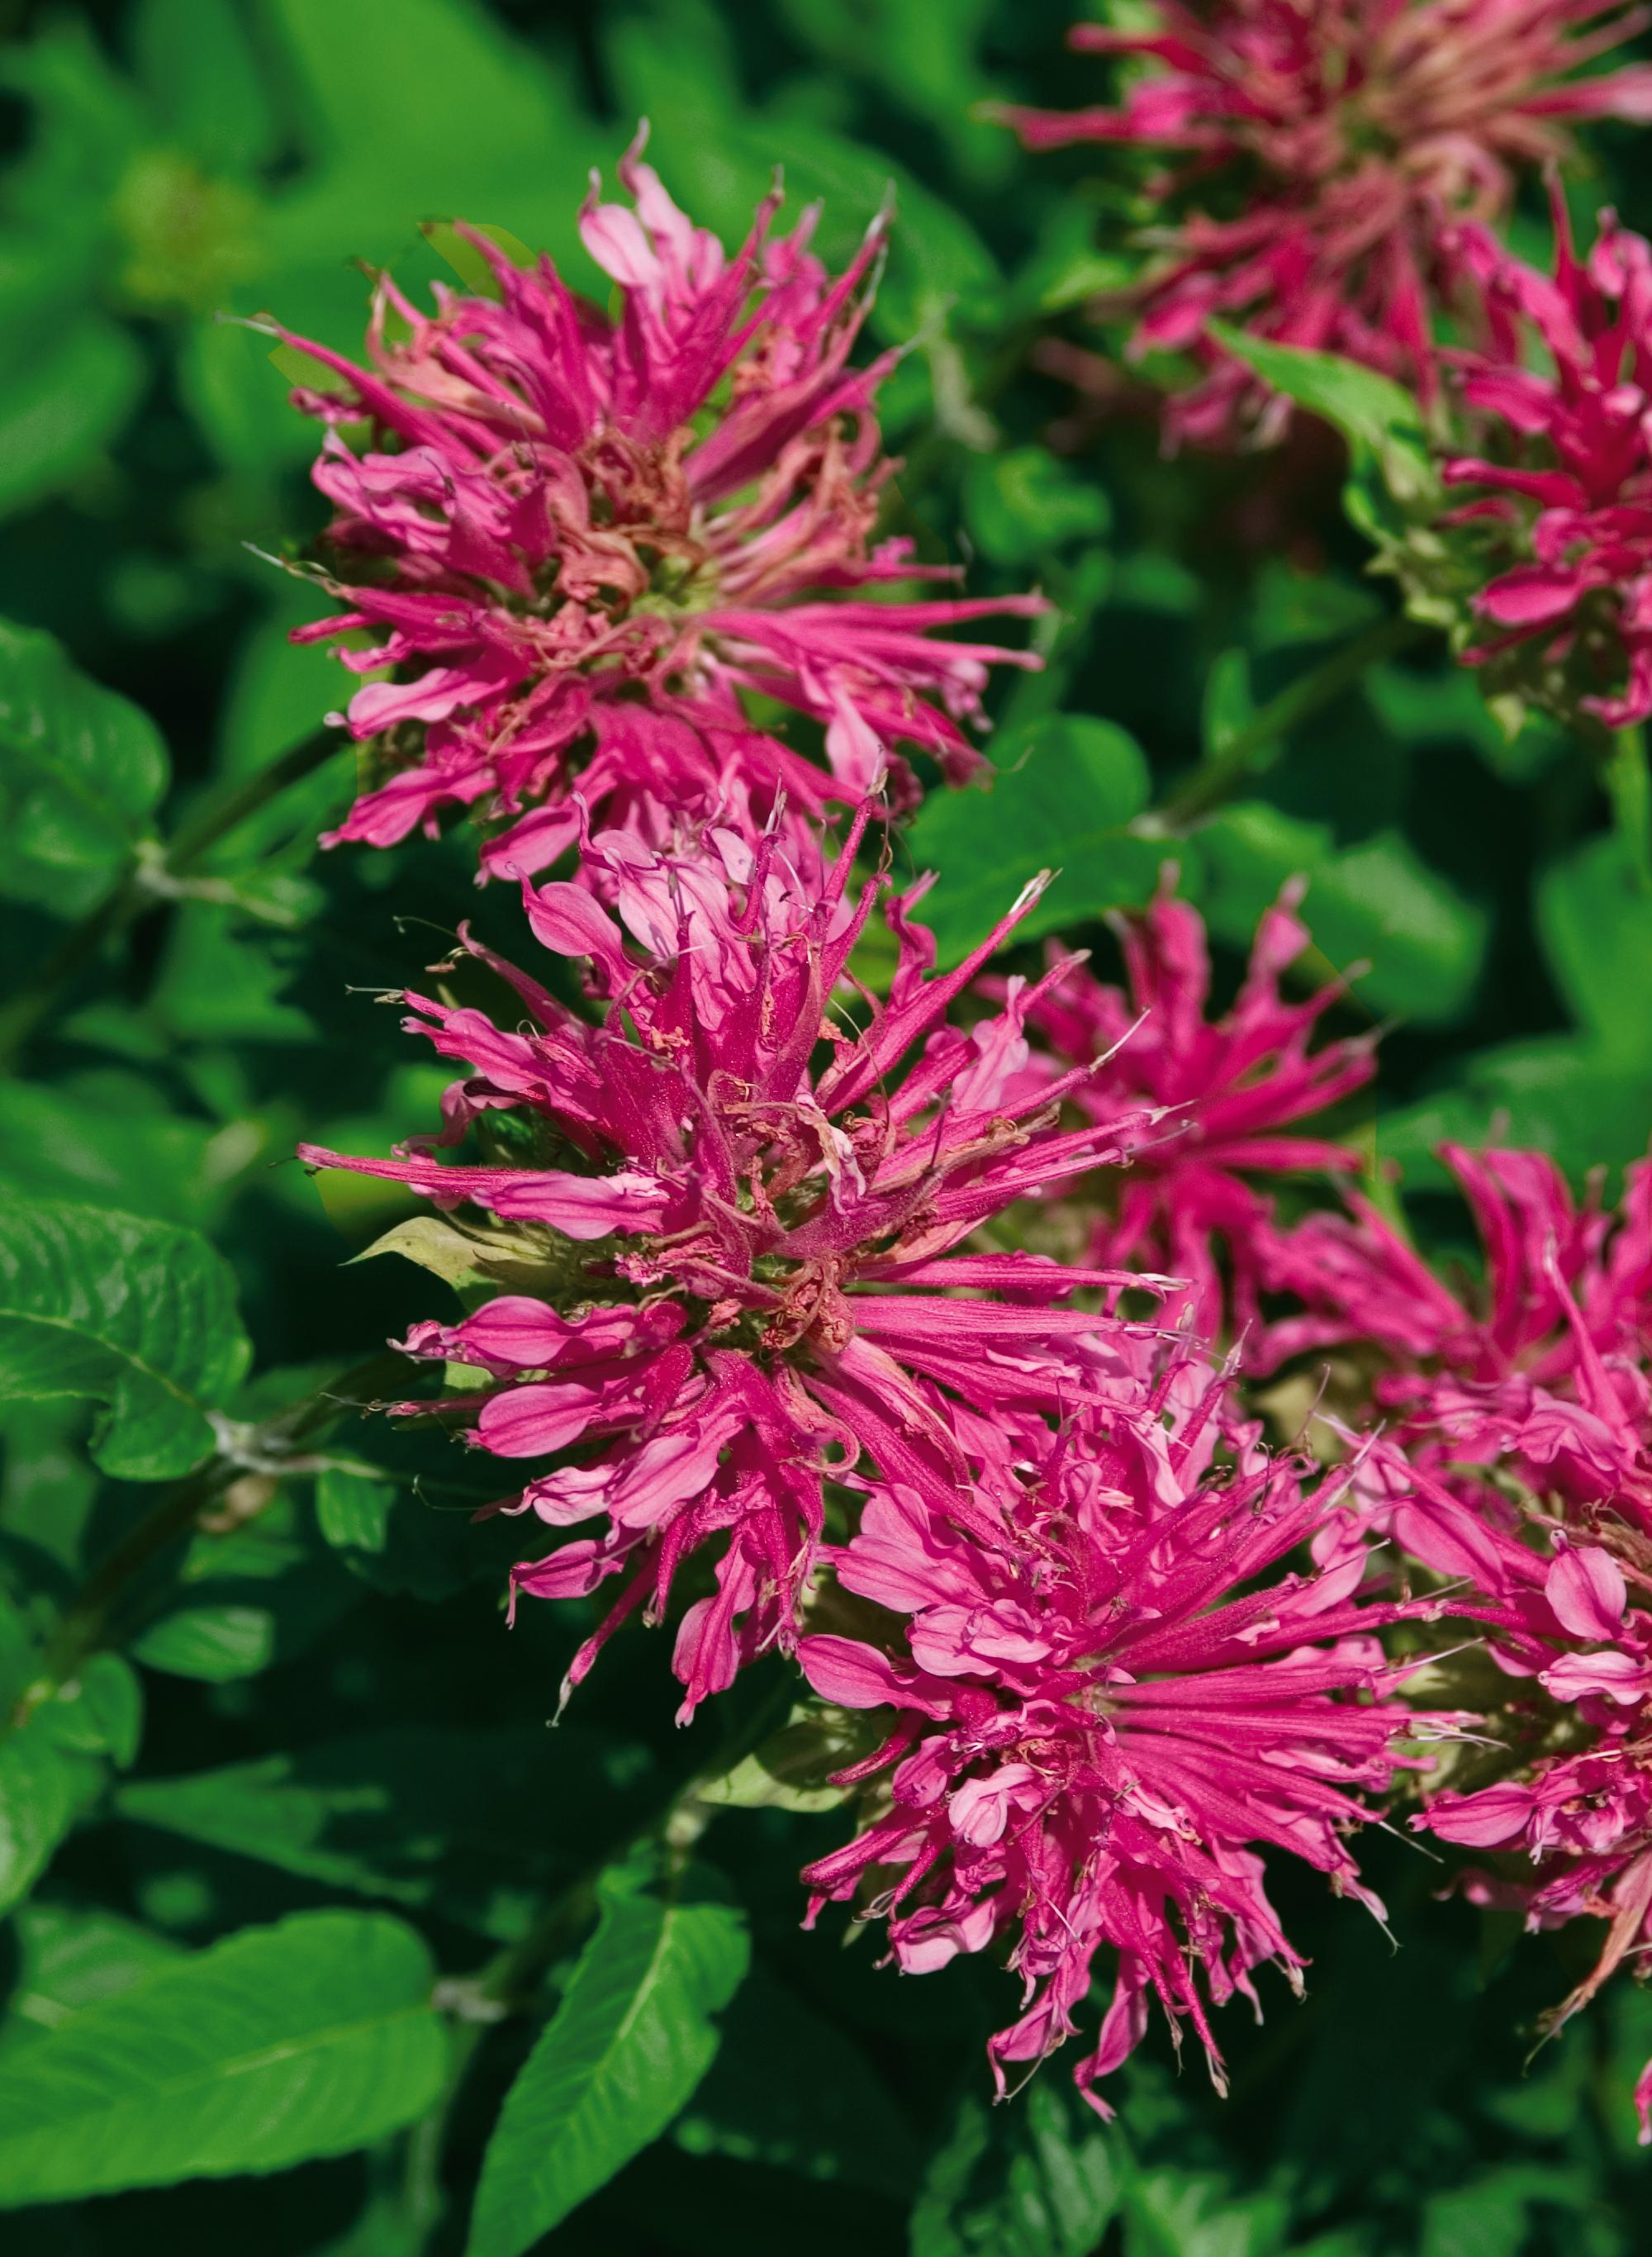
(1567, 516)
(577, 541)
(751, 1263)
(1097, 1726)
(1228, 1092)
(1320, 148)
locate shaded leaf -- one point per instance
(72, 1957)
(1041, 2177)
(1595, 920)
(630, 2041)
(310, 2038)
(1377, 902)
(790, 2089)
(454, 1820)
(1067, 788)
(83, 770)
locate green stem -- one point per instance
(1630, 789)
(263, 1447)
(147, 882)
(1215, 779)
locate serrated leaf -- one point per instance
(83, 768)
(1067, 788)
(139, 1316)
(1039, 2178)
(310, 2038)
(625, 2050)
(450, 1819)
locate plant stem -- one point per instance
(1630, 789)
(81, 1629)
(148, 881)
(1218, 777)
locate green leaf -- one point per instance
(452, 1820)
(100, 1710)
(139, 1316)
(1021, 503)
(625, 2050)
(1377, 902)
(1066, 790)
(200, 68)
(1595, 920)
(83, 770)
(409, 1528)
(58, 414)
(44, 1785)
(1039, 2178)
(1379, 419)
(248, 1598)
(310, 2038)
(70, 1958)
(107, 1137)
(1182, 2214)
(1588, 1108)
(792, 1770)
(791, 2091)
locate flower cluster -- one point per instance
(571, 546)
(1518, 1467)
(1321, 150)
(746, 1197)
(752, 1255)
(1099, 1724)
(1564, 466)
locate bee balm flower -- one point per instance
(1323, 146)
(1100, 1721)
(748, 1216)
(576, 542)
(1564, 526)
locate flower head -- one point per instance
(1322, 147)
(1225, 1095)
(1563, 460)
(1518, 1465)
(1099, 1722)
(736, 1217)
(576, 542)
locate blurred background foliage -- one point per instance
(318, 1736)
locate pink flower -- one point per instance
(1322, 146)
(1564, 530)
(1550, 1365)
(1518, 1465)
(1099, 1721)
(740, 1262)
(1230, 1092)
(575, 544)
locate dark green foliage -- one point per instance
(297, 1880)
